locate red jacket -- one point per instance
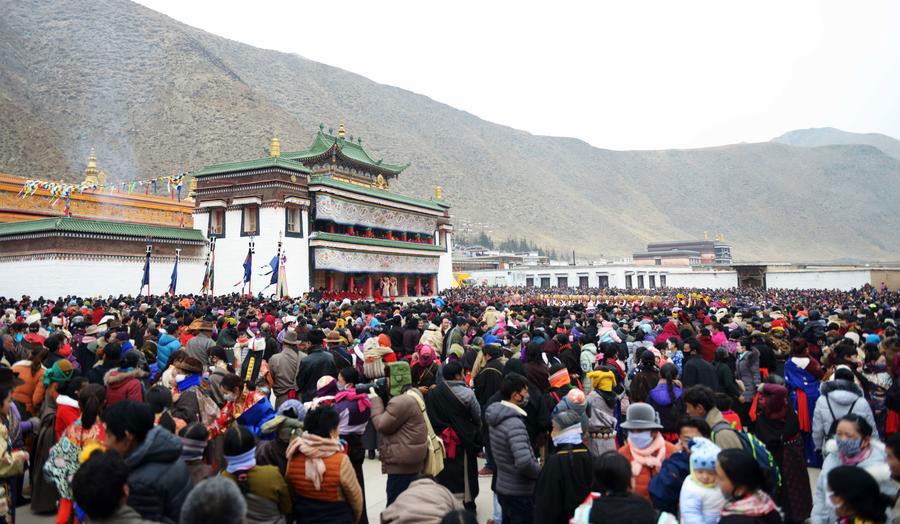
(123, 385)
(67, 412)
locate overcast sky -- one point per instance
(620, 74)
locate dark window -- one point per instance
(250, 221)
(652, 281)
(583, 282)
(657, 261)
(640, 281)
(604, 281)
(562, 281)
(627, 281)
(216, 226)
(293, 222)
(662, 281)
(545, 282)
(529, 281)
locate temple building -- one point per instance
(339, 226)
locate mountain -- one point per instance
(829, 136)
(155, 96)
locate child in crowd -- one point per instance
(701, 500)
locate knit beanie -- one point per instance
(703, 454)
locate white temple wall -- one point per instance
(703, 279)
(818, 279)
(93, 276)
(445, 266)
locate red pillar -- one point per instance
(369, 286)
(331, 227)
(418, 286)
(434, 289)
(330, 282)
(403, 289)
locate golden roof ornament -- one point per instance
(91, 173)
(192, 186)
(341, 131)
(380, 183)
(275, 147)
(438, 193)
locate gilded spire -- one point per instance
(275, 148)
(341, 131)
(438, 193)
(91, 173)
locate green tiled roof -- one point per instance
(381, 242)
(99, 227)
(325, 180)
(260, 163)
(353, 151)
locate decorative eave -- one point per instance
(98, 258)
(252, 167)
(86, 228)
(378, 245)
(378, 196)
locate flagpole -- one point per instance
(146, 269)
(204, 284)
(212, 268)
(250, 280)
(174, 281)
(278, 275)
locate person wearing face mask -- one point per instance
(741, 481)
(187, 393)
(244, 406)
(646, 448)
(855, 497)
(747, 375)
(839, 396)
(853, 445)
(517, 466)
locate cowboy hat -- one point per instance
(201, 325)
(641, 416)
(333, 337)
(290, 338)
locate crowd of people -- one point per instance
(695, 406)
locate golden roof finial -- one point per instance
(91, 173)
(192, 186)
(706, 235)
(275, 148)
(438, 193)
(341, 131)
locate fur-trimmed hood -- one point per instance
(116, 377)
(845, 387)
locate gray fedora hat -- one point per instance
(641, 416)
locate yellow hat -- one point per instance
(602, 379)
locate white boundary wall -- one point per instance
(616, 276)
(842, 279)
(704, 279)
(92, 277)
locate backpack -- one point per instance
(834, 420)
(754, 446)
(398, 375)
(434, 459)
